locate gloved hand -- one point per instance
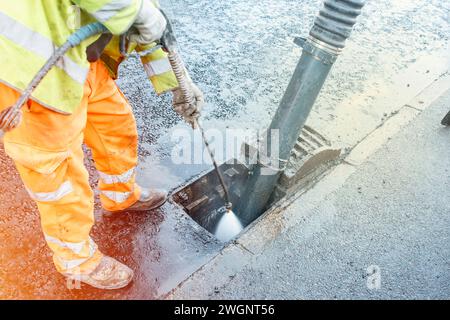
(16, 121)
(149, 25)
(189, 111)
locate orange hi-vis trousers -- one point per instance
(47, 151)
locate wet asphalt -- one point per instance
(384, 234)
(242, 55)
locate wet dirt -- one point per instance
(242, 55)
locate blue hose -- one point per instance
(86, 32)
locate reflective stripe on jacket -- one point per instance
(30, 31)
(156, 65)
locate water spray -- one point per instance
(229, 225)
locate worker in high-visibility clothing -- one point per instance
(78, 103)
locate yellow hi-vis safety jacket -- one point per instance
(30, 30)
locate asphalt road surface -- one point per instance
(242, 55)
(383, 235)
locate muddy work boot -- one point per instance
(110, 274)
(446, 120)
(150, 199)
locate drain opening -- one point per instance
(203, 199)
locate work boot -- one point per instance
(110, 274)
(150, 199)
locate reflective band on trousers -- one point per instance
(121, 178)
(76, 247)
(69, 264)
(157, 67)
(62, 191)
(110, 9)
(39, 45)
(117, 197)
